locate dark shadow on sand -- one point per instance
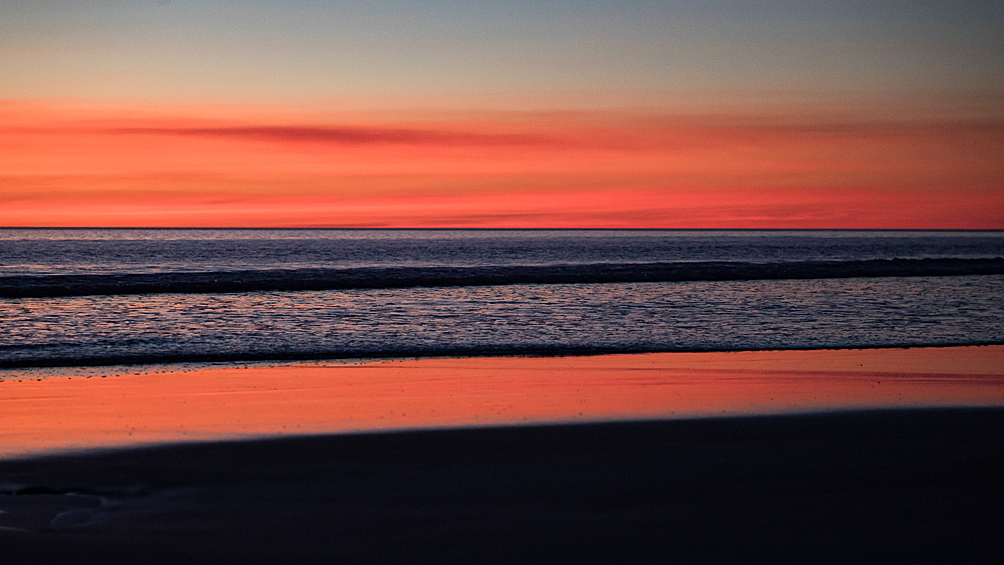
(880, 486)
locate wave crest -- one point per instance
(31, 286)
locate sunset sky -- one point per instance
(674, 114)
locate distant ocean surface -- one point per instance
(96, 297)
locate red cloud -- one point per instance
(345, 135)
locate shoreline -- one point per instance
(190, 362)
(235, 401)
(825, 456)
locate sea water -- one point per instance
(96, 297)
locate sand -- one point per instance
(899, 486)
(827, 456)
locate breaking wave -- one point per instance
(24, 286)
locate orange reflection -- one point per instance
(63, 413)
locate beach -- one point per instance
(501, 282)
(822, 455)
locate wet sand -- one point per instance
(907, 479)
(66, 413)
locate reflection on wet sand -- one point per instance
(56, 414)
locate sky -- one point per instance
(523, 113)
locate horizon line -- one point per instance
(427, 228)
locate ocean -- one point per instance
(132, 297)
